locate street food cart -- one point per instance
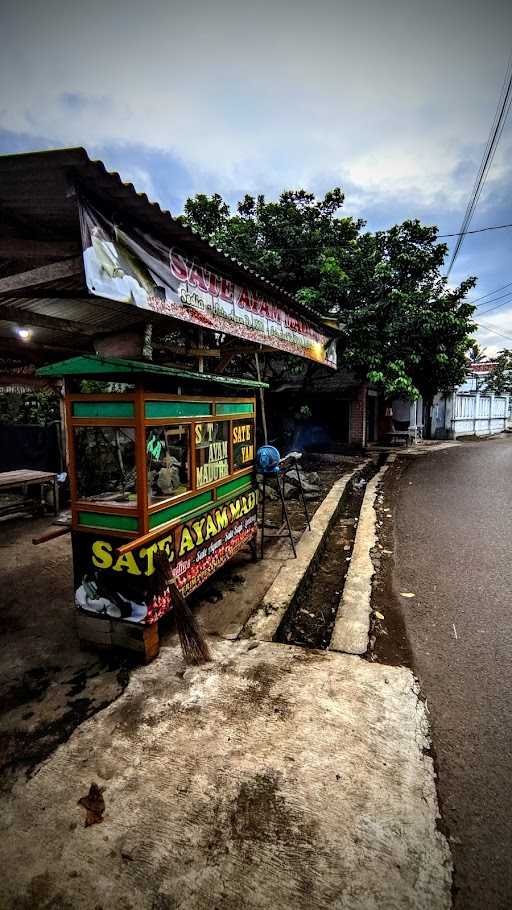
(163, 465)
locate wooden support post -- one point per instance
(200, 362)
(262, 400)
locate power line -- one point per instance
(498, 124)
(490, 293)
(497, 306)
(493, 227)
(494, 331)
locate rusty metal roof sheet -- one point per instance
(37, 191)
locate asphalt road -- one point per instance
(453, 530)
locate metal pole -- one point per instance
(302, 495)
(263, 516)
(281, 493)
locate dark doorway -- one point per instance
(371, 418)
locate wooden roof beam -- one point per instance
(43, 321)
(24, 280)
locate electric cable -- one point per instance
(497, 127)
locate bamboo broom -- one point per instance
(193, 643)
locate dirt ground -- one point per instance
(48, 686)
(274, 776)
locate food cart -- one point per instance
(158, 463)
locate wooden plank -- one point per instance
(188, 352)
(224, 362)
(17, 478)
(140, 460)
(104, 632)
(94, 629)
(44, 321)
(136, 637)
(42, 275)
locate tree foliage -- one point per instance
(402, 326)
(477, 354)
(500, 380)
(36, 407)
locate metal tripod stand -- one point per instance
(278, 473)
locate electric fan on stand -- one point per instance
(269, 464)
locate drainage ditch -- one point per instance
(309, 620)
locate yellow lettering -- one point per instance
(127, 561)
(234, 508)
(187, 543)
(148, 553)
(102, 554)
(198, 530)
(210, 527)
(198, 433)
(222, 518)
(166, 544)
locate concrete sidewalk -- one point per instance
(274, 777)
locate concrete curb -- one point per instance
(264, 623)
(352, 625)
(417, 451)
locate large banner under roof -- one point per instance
(136, 269)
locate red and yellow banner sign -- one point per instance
(137, 269)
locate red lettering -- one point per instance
(214, 284)
(226, 289)
(197, 277)
(178, 266)
(244, 300)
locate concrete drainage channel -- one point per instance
(325, 592)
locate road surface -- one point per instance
(453, 551)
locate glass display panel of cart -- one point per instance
(167, 462)
(243, 444)
(105, 465)
(212, 452)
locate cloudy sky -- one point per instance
(391, 99)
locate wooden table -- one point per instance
(11, 479)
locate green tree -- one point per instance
(477, 354)
(500, 380)
(36, 407)
(401, 326)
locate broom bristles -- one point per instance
(193, 643)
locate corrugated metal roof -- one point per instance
(37, 189)
(93, 365)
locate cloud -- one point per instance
(385, 95)
(495, 330)
(392, 101)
